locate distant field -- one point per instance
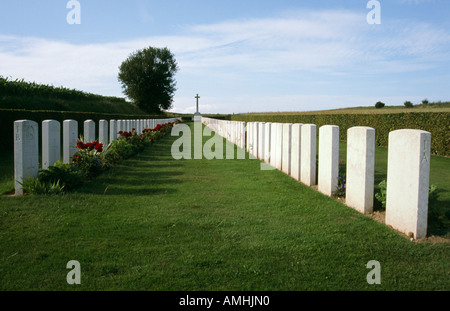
(434, 107)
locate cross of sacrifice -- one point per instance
(197, 97)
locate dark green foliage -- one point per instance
(18, 94)
(68, 176)
(147, 77)
(381, 195)
(438, 215)
(118, 151)
(408, 104)
(379, 105)
(37, 187)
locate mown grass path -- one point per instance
(154, 223)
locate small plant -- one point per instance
(341, 186)
(342, 183)
(438, 215)
(36, 187)
(69, 176)
(117, 151)
(381, 195)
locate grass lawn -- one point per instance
(154, 223)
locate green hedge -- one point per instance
(8, 116)
(437, 123)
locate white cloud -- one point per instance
(239, 55)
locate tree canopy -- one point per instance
(147, 77)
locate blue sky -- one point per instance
(239, 56)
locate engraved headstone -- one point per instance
(408, 181)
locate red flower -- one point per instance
(98, 147)
(80, 145)
(90, 146)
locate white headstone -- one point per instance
(198, 141)
(296, 151)
(267, 142)
(273, 144)
(328, 159)
(26, 149)
(360, 168)
(308, 154)
(408, 181)
(143, 127)
(103, 132)
(261, 140)
(242, 134)
(241, 140)
(70, 139)
(248, 136)
(51, 143)
(279, 146)
(89, 131)
(251, 132)
(113, 130)
(255, 139)
(286, 159)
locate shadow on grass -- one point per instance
(150, 172)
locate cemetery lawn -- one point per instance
(154, 223)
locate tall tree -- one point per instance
(147, 77)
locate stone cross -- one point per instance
(197, 97)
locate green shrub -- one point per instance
(438, 215)
(381, 195)
(379, 105)
(408, 104)
(35, 186)
(116, 152)
(69, 176)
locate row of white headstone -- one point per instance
(292, 148)
(233, 131)
(26, 140)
